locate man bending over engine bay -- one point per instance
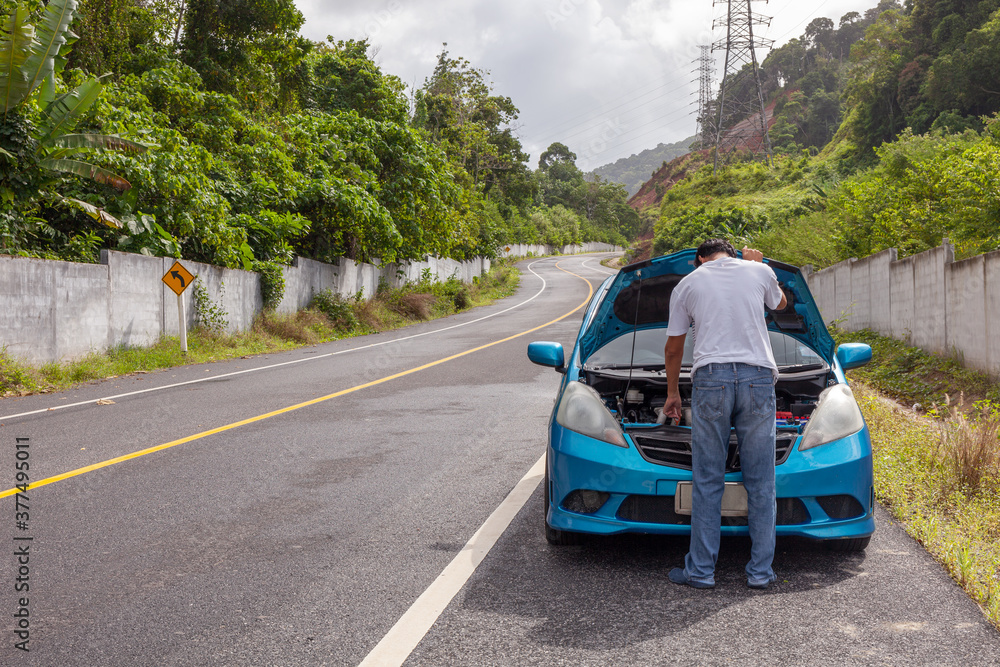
(733, 376)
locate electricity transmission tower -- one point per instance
(706, 97)
(742, 124)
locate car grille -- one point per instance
(671, 446)
(660, 509)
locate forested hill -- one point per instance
(221, 134)
(886, 134)
(636, 169)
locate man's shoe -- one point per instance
(678, 577)
(761, 585)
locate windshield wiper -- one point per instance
(802, 367)
(641, 367)
(616, 367)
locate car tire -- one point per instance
(851, 545)
(557, 538)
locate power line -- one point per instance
(564, 137)
(681, 112)
(814, 13)
(588, 114)
(656, 130)
(635, 137)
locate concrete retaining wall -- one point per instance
(901, 302)
(305, 277)
(41, 297)
(57, 311)
(523, 250)
(929, 300)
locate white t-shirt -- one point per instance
(724, 299)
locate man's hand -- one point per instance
(757, 256)
(673, 353)
(672, 408)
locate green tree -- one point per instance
(849, 30)
(871, 90)
(786, 64)
(459, 112)
(925, 187)
(345, 78)
(820, 33)
(601, 205)
(557, 225)
(112, 31)
(609, 218)
(823, 118)
(556, 154)
(966, 78)
(689, 226)
(457, 107)
(560, 179)
(248, 48)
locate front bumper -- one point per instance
(805, 481)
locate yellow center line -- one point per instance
(298, 406)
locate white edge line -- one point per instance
(397, 645)
(284, 363)
(604, 269)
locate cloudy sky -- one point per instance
(608, 78)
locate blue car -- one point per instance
(612, 468)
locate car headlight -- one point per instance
(837, 415)
(582, 410)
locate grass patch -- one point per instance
(937, 472)
(330, 317)
(615, 263)
(941, 481)
(306, 327)
(933, 383)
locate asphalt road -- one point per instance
(303, 537)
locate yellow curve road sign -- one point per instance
(178, 278)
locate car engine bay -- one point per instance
(635, 398)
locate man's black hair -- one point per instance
(715, 246)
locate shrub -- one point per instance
(971, 449)
(272, 283)
(208, 315)
(14, 377)
(925, 188)
(338, 309)
(461, 299)
(371, 315)
(416, 305)
(305, 326)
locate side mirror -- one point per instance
(547, 354)
(853, 355)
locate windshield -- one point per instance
(788, 352)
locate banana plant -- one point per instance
(30, 58)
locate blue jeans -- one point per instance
(725, 396)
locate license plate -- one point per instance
(734, 499)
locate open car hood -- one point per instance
(639, 296)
